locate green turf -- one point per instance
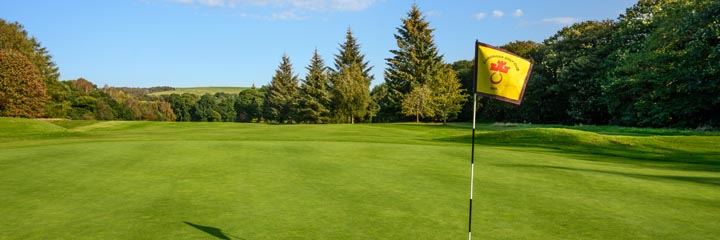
(201, 90)
(162, 180)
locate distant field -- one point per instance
(167, 180)
(201, 90)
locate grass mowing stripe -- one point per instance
(147, 180)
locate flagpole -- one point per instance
(472, 155)
(472, 167)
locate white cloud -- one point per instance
(479, 16)
(287, 15)
(498, 13)
(312, 5)
(518, 12)
(349, 5)
(560, 20)
(208, 3)
(216, 3)
(181, 1)
(433, 13)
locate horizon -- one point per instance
(198, 43)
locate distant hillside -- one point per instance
(201, 90)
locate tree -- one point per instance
(182, 105)
(464, 71)
(352, 93)
(350, 82)
(283, 93)
(165, 111)
(249, 105)
(419, 103)
(575, 64)
(226, 106)
(204, 110)
(314, 97)
(22, 91)
(349, 53)
(674, 73)
(377, 96)
(448, 95)
(414, 63)
(13, 36)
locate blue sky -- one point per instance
(186, 43)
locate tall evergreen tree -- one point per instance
(349, 53)
(414, 63)
(350, 82)
(314, 97)
(283, 93)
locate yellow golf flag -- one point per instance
(500, 74)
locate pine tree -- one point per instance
(314, 97)
(414, 63)
(283, 93)
(349, 53)
(350, 82)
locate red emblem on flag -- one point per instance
(499, 66)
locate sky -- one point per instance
(194, 43)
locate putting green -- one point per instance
(161, 180)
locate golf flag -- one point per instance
(500, 74)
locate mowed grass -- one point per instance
(163, 180)
(201, 90)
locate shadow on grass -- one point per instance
(714, 181)
(213, 231)
(575, 141)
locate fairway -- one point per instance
(168, 180)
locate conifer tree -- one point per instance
(350, 82)
(414, 63)
(349, 53)
(283, 93)
(314, 97)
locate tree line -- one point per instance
(656, 65)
